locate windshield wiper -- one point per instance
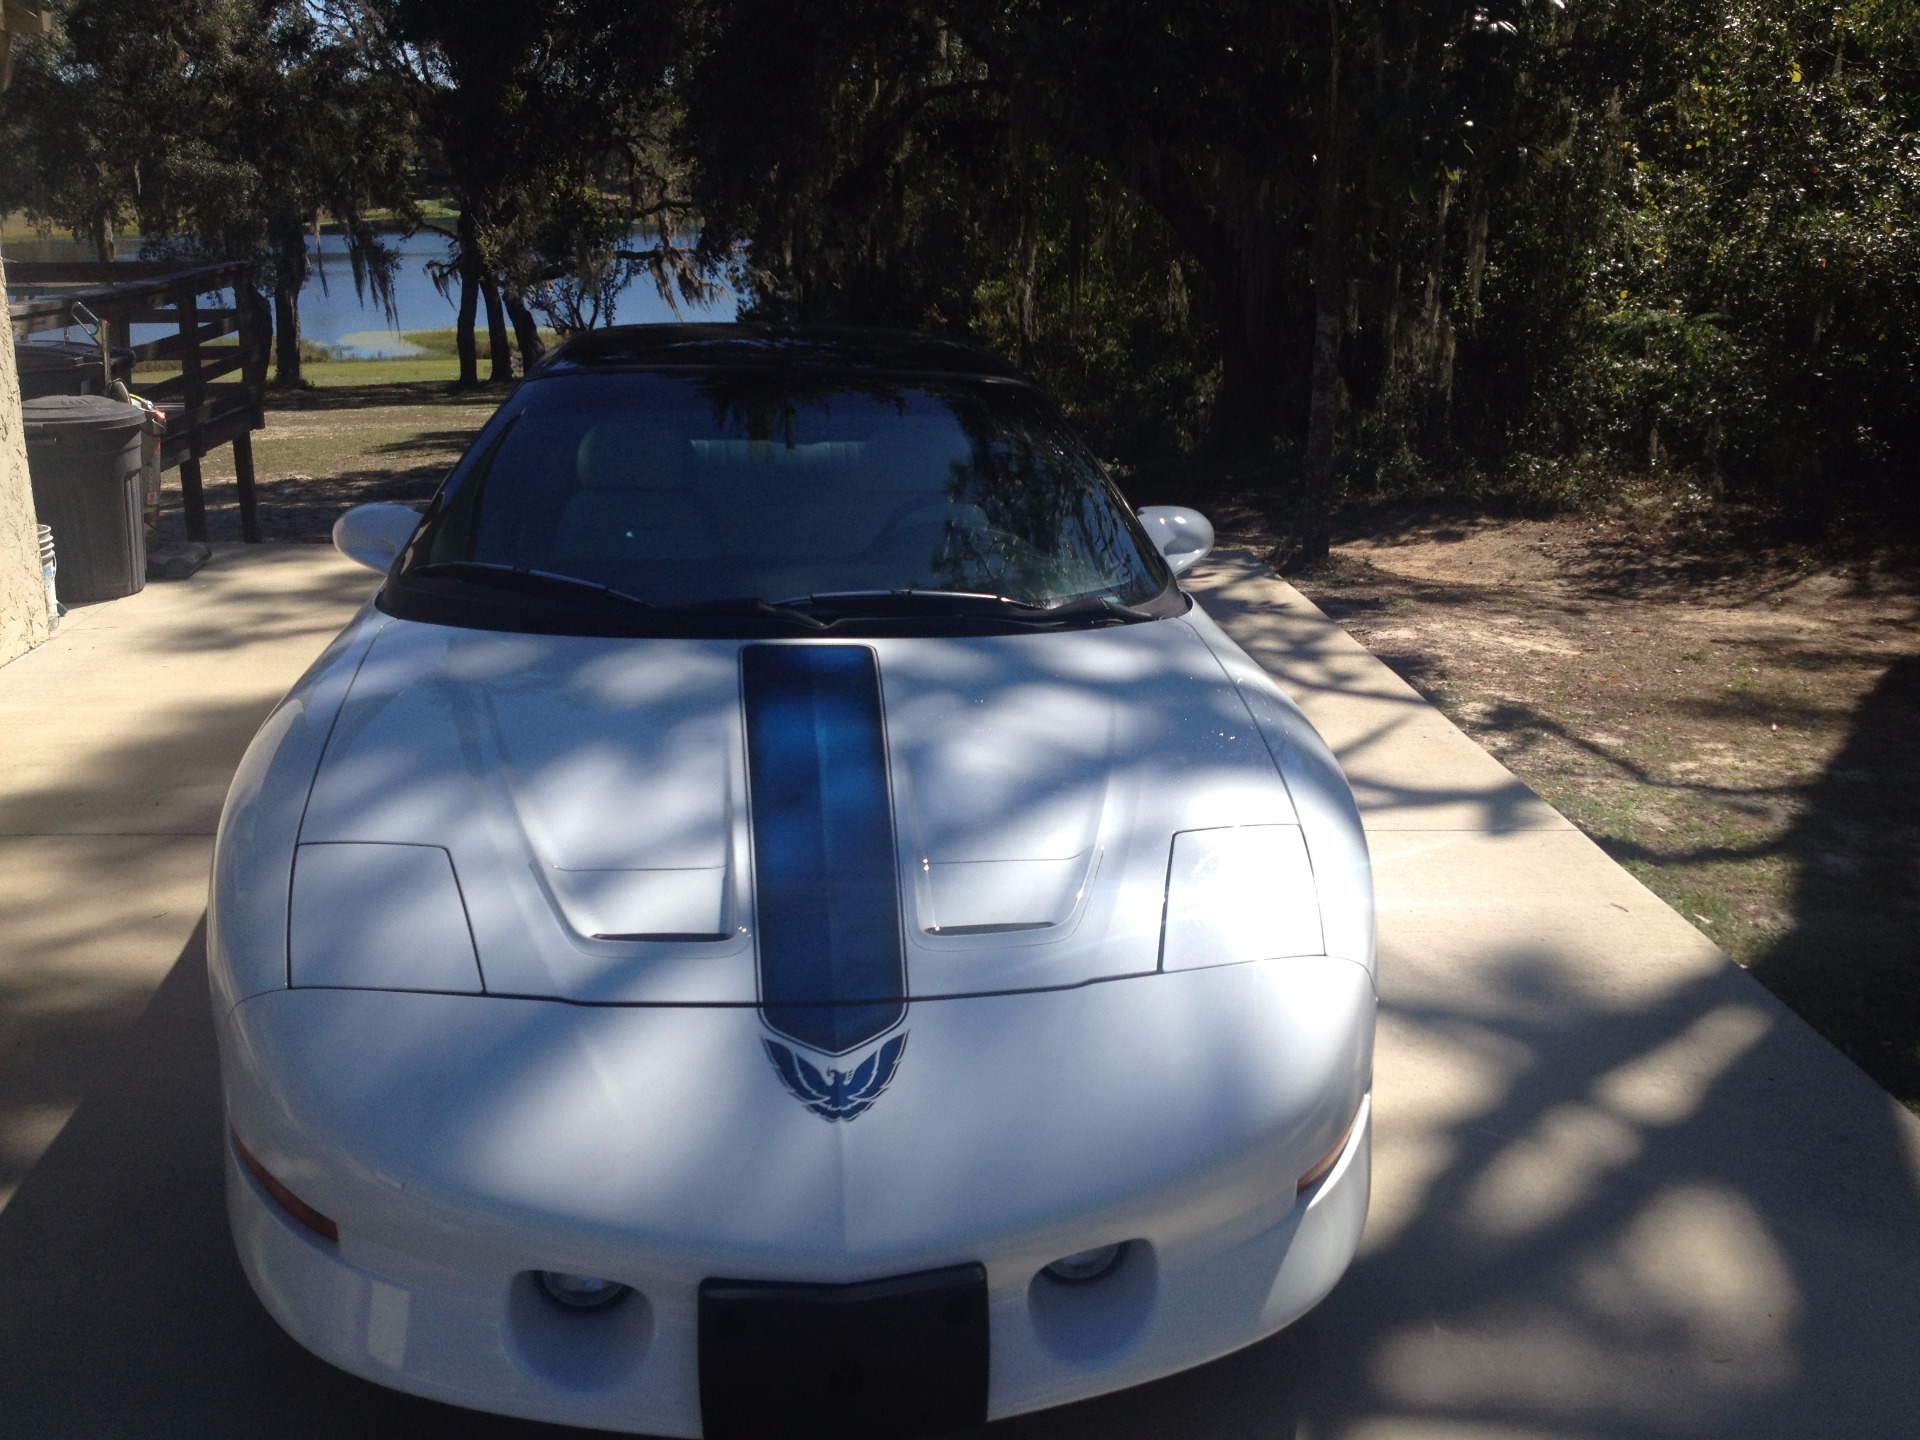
(1089, 607)
(569, 587)
(527, 582)
(752, 605)
(818, 611)
(1099, 609)
(912, 594)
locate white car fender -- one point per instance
(260, 823)
(1322, 798)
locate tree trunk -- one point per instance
(289, 277)
(1235, 237)
(1256, 371)
(499, 348)
(103, 237)
(286, 336)
(1476, 250)
(1315, 524)
(525, 331)
(1390, 321)
(463, 331)
(469, 243)
(1437, 336)
(1253, 382)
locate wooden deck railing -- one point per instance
(205, 408)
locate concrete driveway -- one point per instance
(1619, 1190)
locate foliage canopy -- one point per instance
(1478, 243)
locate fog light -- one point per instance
(581, 1292)
(1085, 1265)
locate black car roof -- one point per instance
(823, 347)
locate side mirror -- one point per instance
(375, 534)
(1183, 536)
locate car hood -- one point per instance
(593, 796)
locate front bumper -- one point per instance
(463, 1143)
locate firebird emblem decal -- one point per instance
(835, 1094)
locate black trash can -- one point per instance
(65, 367)
(83, 454)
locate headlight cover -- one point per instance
(380, 917)
(1240, 893)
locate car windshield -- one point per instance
(703, 488)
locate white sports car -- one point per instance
(782, 919)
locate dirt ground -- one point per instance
(1742, 732)
(1738, 727)
(330, 448)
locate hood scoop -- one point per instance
(663, 906)
(1003, 787)
(590, 793)
(1001, 897)
(622, 786)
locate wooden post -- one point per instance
(243, 482)
(253, 375)
(193, 402)
(256, 335)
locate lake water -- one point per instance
(332, 314)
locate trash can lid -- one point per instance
(80, 412)
(55, 354)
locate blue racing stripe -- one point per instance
(826, 885)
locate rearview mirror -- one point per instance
(375, 534)
(1183, 536)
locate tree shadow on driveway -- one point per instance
(1616, 1194)
(1851, 961)
(1587, 1223)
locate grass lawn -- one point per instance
(365, 374)
(364, 430)
(324, 365)
(15, 227)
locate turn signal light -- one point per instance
(288, 1201)
(1324, 1165)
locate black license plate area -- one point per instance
(871, 1361)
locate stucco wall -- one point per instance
(23, 598)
